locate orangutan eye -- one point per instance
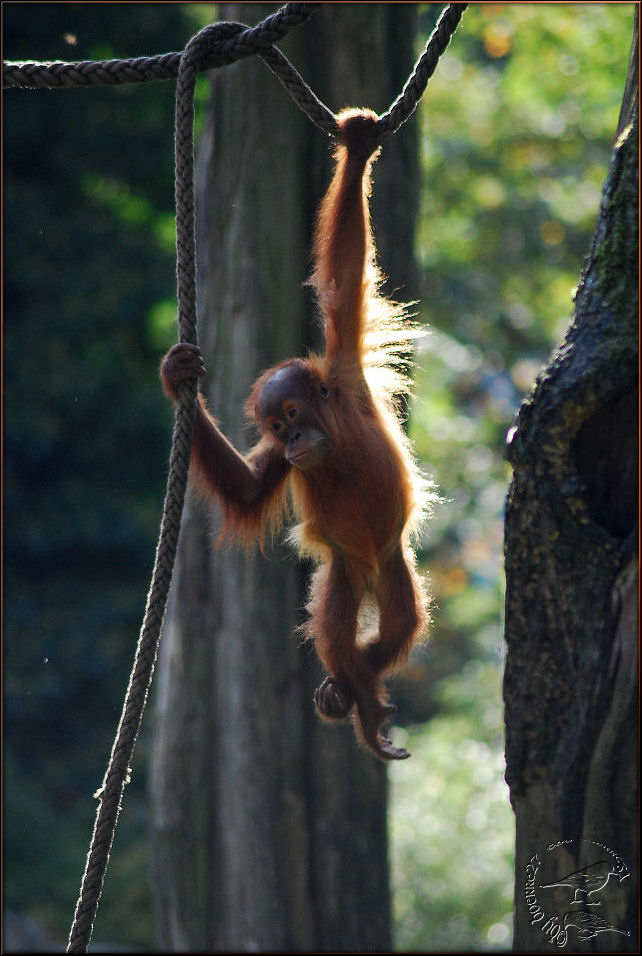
(292, 414)
(325, 391)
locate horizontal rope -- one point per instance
(27, 74)
(233, 41)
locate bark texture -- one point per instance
(571, 601)
(268, 829)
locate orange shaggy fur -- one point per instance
(358, 507)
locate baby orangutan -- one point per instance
(332, 446)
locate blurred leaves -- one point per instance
(517, 128)
(89, 226)
(517, 125)
(451, 825)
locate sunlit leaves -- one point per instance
(517, 129)
(452, 827)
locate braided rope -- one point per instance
(145, 69)
(414, 88)
(214, 46)
(300, 92)
(228, 42)
(117, 775)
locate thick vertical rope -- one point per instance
(214, 46)
(117, 775)
(110, 795)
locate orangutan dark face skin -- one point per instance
(284, 409)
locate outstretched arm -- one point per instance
(345, 273)
(250, 488)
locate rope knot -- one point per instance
(213, 46)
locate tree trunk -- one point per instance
(268, 829)
(571, 601)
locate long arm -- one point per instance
(345, 274)
(223, 469)
(251, 489)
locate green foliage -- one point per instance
(517, 128)
(89, 230)
(513, 174)
(451, 825)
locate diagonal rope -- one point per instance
(228, 42)
(415, 86)
(216, 45)
(116, 777)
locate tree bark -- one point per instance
(268, 829)
(571, 618)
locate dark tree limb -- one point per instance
(571, 600)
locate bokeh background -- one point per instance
(516, 133)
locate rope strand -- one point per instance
(415, 86)
(214, 46)
(117, 775)
(165, 66)
(229, 41)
